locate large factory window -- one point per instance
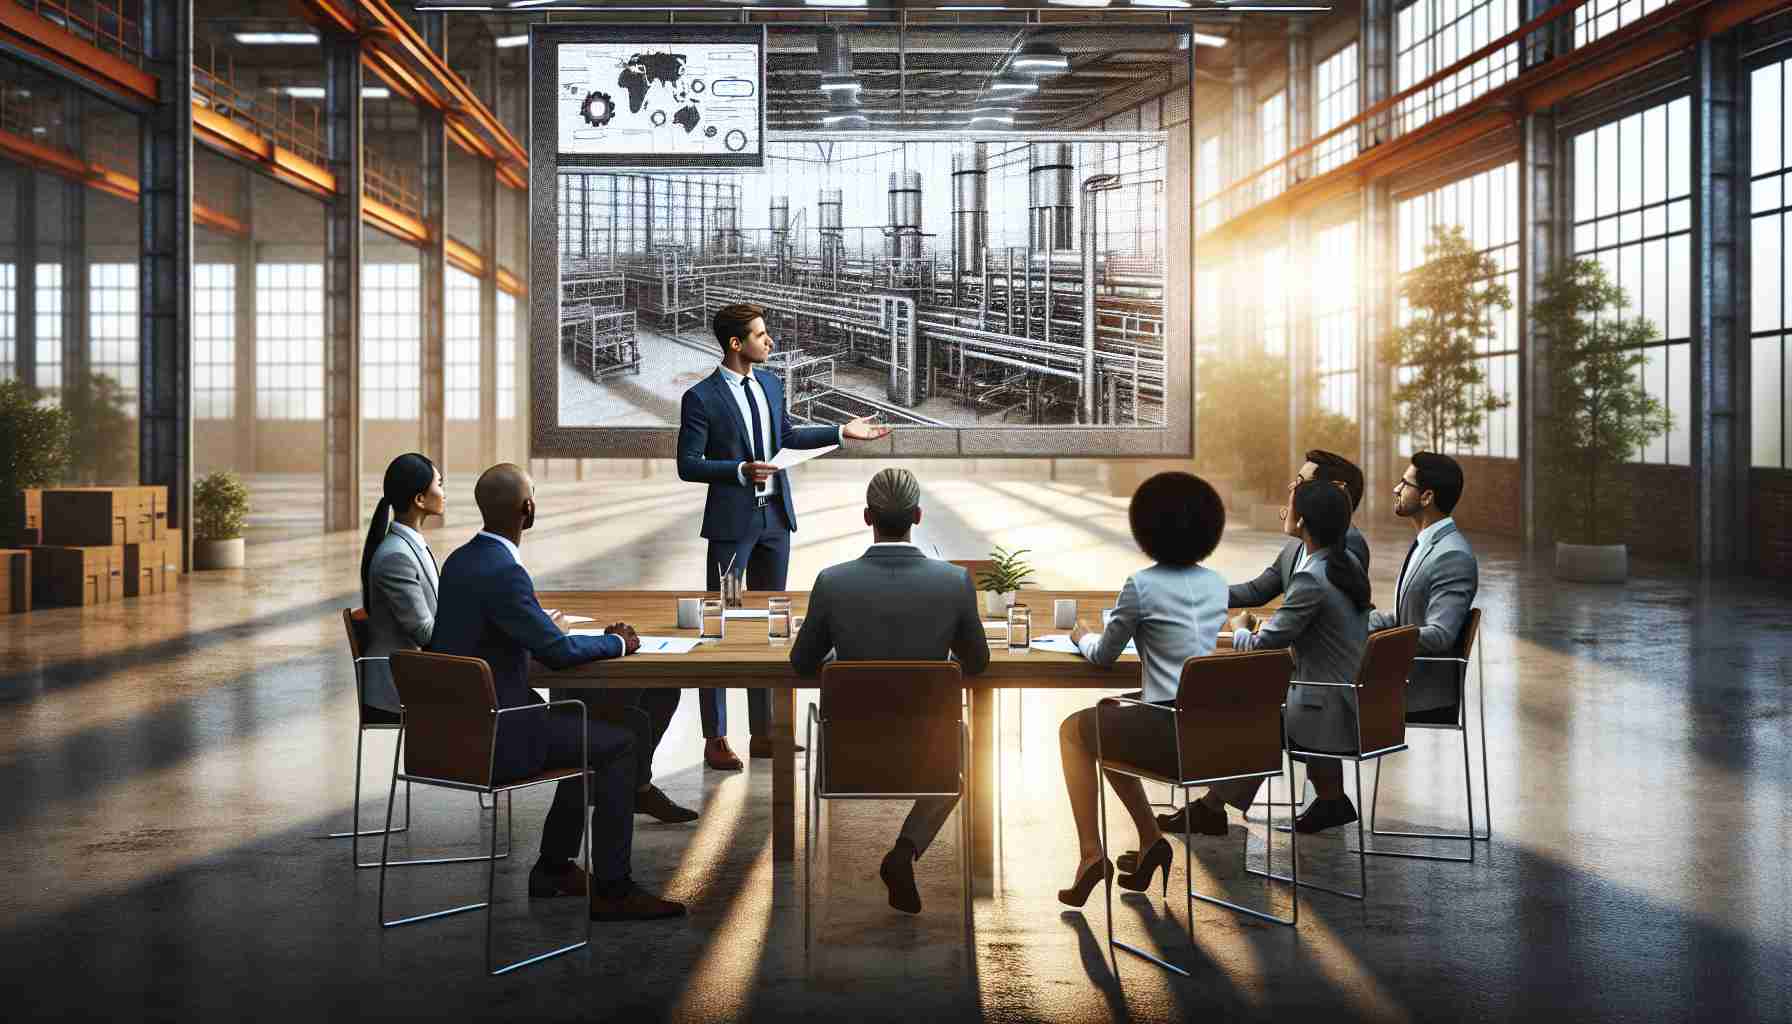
(47, 327)
(1334, 319)
(289, 341)
(1431, 35)
(1334, 83)
(9, 297)
(1633, 213)
(1770, 155)
(214, 341)
(1485, 206)
(1272, 143)
(461, 345)
(506, 356)
(112, 326)
(1599, 18)
(1209, 179)
(391, 340)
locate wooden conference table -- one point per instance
(745, 658)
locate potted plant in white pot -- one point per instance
(220, 501)
(1600, 414)
(1006, 574)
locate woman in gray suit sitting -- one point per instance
(1325, 618)
(1173, 609)
(399, 576)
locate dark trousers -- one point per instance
(645, 713)
(610, 754)
(765, 551)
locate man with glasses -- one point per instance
(1273, 581)
(1438, 581)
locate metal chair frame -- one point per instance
(357, 832)
(491, 875)
(815, 791)
(1461, 728)
(1184, 784)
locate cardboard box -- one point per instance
(104, 516)
(78, 576)
(15, 581)
(152, 567)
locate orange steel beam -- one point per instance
(461, 100)
(462, 255)
(76, 57)
(393, 221)
(1593, 73)
(67, 165)
(507, 176)
(510, 284)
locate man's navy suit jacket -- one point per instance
(713, 440)
(488, 610)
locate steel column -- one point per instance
(342, 285)
(76, 326)
(488, 287)
(433, 172)
(165, 266)
(1720, 297)
(245, 328)
(1541, 224)
(1300, 242)
(25, 277)
(1375, 241)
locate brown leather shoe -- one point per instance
(654, 802)
(633, 904)
(717, 755)
(760, 746)
(550, 881)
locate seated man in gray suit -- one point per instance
(1437, 584)
(1273, 581)
(895, 604)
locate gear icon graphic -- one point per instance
(598, 109)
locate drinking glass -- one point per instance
(796, 624)
(777, 621)
(734, 590)
(1020, 628)
(715, 620)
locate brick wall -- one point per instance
(1490, 496)
(1659, 521)
(1770, 520)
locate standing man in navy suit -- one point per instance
(730, 427)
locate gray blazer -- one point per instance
(892, 604)
(1273, 581)
(401, 613)
(1172, 613)
(1435, 594)
(1328, 635)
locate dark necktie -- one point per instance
(753, 416)
(1400, 586)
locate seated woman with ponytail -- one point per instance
(399, 577)
(1325, 618)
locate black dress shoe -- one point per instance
(1078, 894)
(630, 902)
(653, 802)
(1208, 822)
(547, 882)
(1324, 814)
(898, 873)
(1158, 857)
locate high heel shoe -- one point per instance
(1078, 894)
(1159, 856)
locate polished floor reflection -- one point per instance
(169, 762)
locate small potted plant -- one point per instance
(1006, 574)
(220, 501)
(1601, 414)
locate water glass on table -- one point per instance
(777, 621)
(1020, 627)
(715, 620)
(734, 590)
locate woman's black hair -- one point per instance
(1177, 518)
(408, 476)
(1325, 512)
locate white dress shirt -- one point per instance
(1425, 539)
(733, 380)
(429, 557)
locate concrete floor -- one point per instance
(169, 761)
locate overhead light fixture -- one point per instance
(1080, 3)
(1265, 9)
(316, 92)
(971, 7)
(1041, 58)
(834, 81)
(532, 3)
(1203, 39)
(1008, 83)
(277, 38)
(834, 3)
(1161, 3)
(509, 42)
(992, 119)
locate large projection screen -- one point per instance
(987, 294)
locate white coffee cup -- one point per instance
(1063, 613)
(690, 612)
